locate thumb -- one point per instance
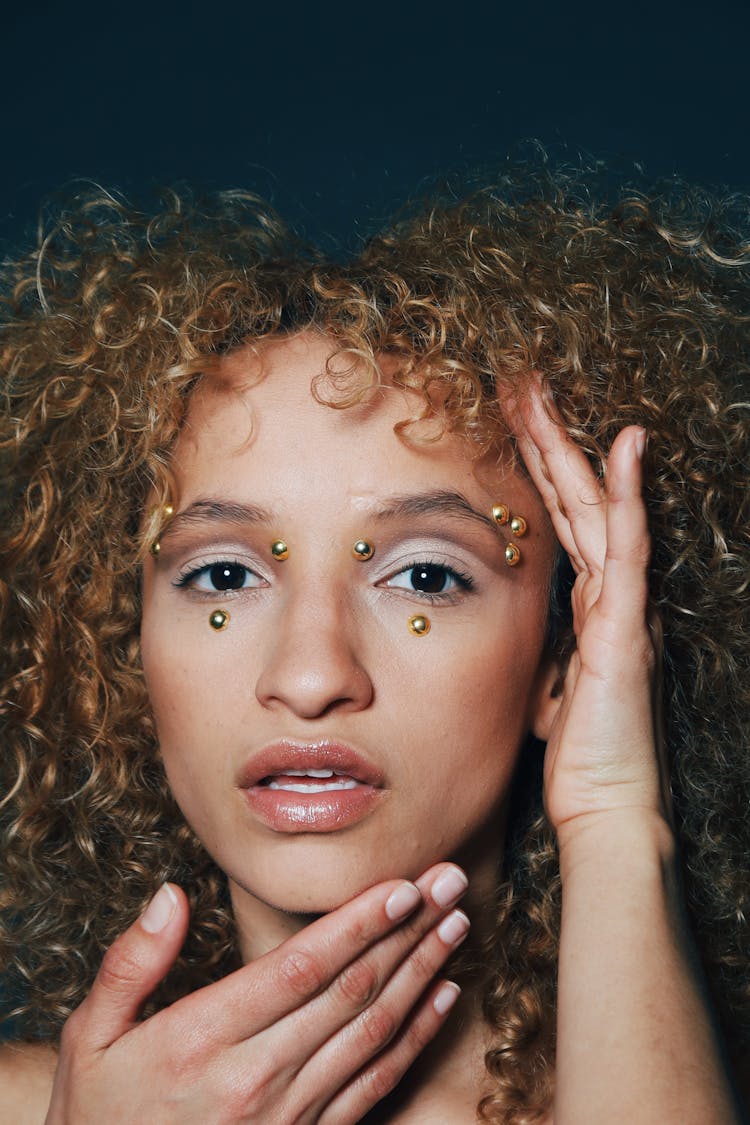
(132, 967)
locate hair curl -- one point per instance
(632, 311)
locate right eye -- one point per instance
(219, 577)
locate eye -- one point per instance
(219, 577)
(430, 578)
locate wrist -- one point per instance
(618, 839)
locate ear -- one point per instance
(546, 697)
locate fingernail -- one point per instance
(449, 886)
(446, 997)
(454, 928)
(159, 910)
(402, 901)
(640, 443)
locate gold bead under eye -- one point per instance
(363, 550)
(419, 625)
(518, 526)
(279, 550)
(512, 555)
(155, 548)
(500, 513)
(219, 620)
(168, 511)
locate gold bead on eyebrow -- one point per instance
(363, 550)
(279, 550)
(502, 515)
(512, 555)
(166, 512)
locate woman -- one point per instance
(333, 494)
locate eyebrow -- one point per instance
(216, 511)
(441, 502)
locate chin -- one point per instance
(302, 883)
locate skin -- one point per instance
(318, 646)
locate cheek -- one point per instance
(468, 702)
(187, 687)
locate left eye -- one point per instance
(222, 576)
(427, 578)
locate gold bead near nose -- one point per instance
(512, 555)
(219, 620)
(419, 625)
(518, 526)
(155, 547)
(168, 510)
(363, 550)
(500, 513)
(279, 550)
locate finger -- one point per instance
(376, 1080)
(381, 1022)
(623, 599)
(381, 986)
(566, 481)
(539, 474)
(282, 981)
(131, 969)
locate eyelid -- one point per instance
(191, 571)
(463, 581)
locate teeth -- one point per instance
(290, 787)
(308, 773)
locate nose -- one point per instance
(312, 666)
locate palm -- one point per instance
(601, 750)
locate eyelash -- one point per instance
(187, 579)
(463, 581)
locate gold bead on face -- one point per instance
(419, 625)
(518, 526)
(363, 550)
(167, 512)
(512, 555)
(219, 620)
(279, 550)
(500, 513)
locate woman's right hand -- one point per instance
(317, 1030)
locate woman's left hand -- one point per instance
(602, 749)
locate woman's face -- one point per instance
(315, 743)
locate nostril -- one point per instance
(313, 675)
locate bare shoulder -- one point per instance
(26, 1074)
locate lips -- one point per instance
(310, 787)
(289, 758)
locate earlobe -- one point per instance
(545, 699)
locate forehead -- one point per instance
(261, 423)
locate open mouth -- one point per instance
(310, 781)
(302, 787)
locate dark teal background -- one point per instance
(339, 111)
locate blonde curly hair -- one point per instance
(632, 310)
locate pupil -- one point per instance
(428, 579)
(227, 576)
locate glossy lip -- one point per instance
(288, 812)
(288, 754)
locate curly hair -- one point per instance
(632, 310)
